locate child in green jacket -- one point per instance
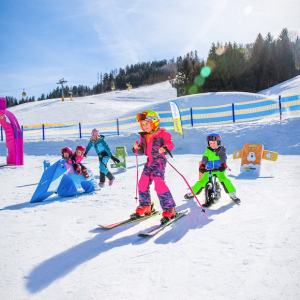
(214, 158)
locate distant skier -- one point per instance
(154, 142)
(76, 159)
(103, 151)
(214, 158)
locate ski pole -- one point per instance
(203, 210)
(137, 172)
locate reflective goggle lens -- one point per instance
(141, 117)
(212, 138)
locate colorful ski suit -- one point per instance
(213, 159)
(76, 160)
(104, 154)
(154, 169)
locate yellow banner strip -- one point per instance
(212, 115)
(290, 103)
(256, 109)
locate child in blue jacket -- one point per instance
(102, 149)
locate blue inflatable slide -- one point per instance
(62, 179)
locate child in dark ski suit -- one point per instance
(154, 142)
(214, 158)
(103, 151)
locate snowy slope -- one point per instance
(95, 108)
(291, 86)
(118, 104)
(52, 249)
(202, 100)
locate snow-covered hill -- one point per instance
(52, 250)
(118, 104)
(291, 86)
(95, 108)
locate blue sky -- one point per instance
(43, 41)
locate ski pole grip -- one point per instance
(137, 149)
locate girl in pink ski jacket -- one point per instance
(154, 142)
(76, 160)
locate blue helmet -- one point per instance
(214, 137)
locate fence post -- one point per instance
(16, 132)
(192, 121)
(280, 111)
(233, 115)
(1, 134)
(79, 130)
(22, 131)
(118, 127)
(43, 131)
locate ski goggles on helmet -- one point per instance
(143, 116)
(213, 138)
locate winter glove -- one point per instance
(168, 151)
(115, 160)
(222, 168)
(85, 154)
(138, 147)
(202, 168)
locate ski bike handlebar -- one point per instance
(216, 170)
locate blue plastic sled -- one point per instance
(61, 178)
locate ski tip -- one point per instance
(101, 227)
(185, 211)
(106, 227)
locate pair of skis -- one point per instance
(154, 230)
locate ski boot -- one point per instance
(78, 170)
(167, 215)
(142, 210)
(234, 198)
(110, 182)
(188, 196)
(191, 195)
(85, 173)
(101, 184)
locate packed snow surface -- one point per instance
(291, 86)
(53, 249)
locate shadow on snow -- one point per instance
(62, 264)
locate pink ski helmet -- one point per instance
(66, 150)
(95, 131)
(80, 148)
